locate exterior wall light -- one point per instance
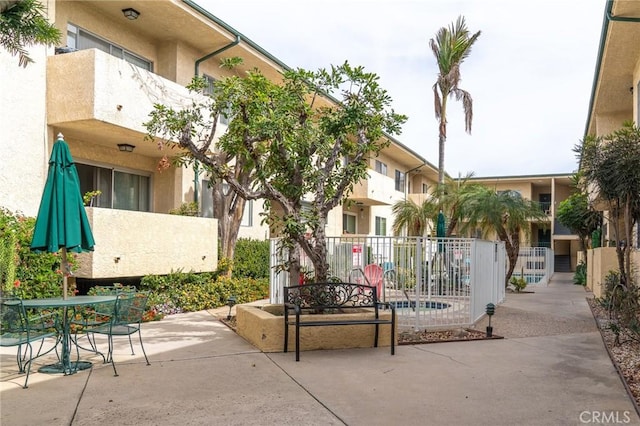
(130, 13)
(125, 147)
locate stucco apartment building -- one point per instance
(115, 61)
(549, 191)
(614, 100)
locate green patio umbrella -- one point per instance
(441, 231)
(62, 222)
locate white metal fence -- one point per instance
(535, 265)
(432, 283)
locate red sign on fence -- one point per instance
(356, 251)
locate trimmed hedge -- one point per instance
(251, 258)
(190, 291)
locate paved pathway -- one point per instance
(551, 369)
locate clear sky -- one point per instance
(530, 73)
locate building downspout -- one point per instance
(216, 52)
(196, 171)
(406, 184)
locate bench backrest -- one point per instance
(331, 295)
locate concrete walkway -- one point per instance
(551, 369)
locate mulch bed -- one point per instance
(439, 336)
(417, 337)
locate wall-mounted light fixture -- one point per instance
(125, 147)
(130, 13)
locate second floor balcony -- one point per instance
(94, 96)
(377, 189)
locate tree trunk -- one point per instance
(628, 226)
(512, 246)
(442, 138)
(441, 141)
(583, 248)
(316, 249)
(294, 265)
(228, 209)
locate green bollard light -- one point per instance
(490, 310)
(231, 301)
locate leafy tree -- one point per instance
(451, 47)
(504, 213)
(611, 164)
(576, 214)
(292, 146)
(195, 127)
(23, 23)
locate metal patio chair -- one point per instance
(125, 321)
(22, 328)
(93, 316)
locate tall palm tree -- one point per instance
(451, 47)
(504, 213)
(23, 23)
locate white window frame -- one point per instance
(381, 167)
(400, 180)
(74, 32)
(222, 118)
(355, 223)
(247, 214)
(112, 170)
(381, 226)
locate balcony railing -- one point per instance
(545, 206)
(559, 229)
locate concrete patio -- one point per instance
(551, 369)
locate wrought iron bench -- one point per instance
(333, 298)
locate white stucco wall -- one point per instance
(23, 132)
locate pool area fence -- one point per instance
(433, 283)
(535, 264)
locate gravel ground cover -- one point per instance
(625, 355)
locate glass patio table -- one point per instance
(69, 305)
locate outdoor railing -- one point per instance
(431, 283)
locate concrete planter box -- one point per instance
(263, 327)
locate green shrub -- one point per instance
(186, 209)
(580, 276)
(190, 291)
(251, 258)
(29, 274)
(518, 283)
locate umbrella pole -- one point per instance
(64, 265)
